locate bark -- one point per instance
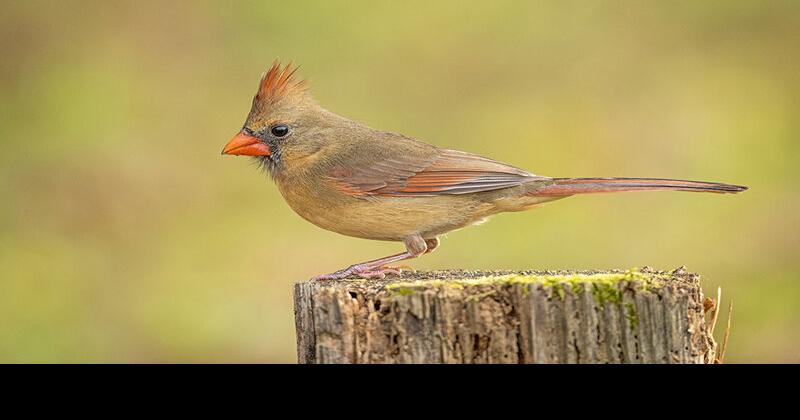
(504, 317)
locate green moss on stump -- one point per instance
(604, 286)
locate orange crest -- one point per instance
(278, 83)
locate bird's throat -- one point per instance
(269, 164)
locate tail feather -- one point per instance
(570, 186)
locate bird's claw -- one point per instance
(401, 268)
(380, 273)
(362, 271)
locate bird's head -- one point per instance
(280, 119)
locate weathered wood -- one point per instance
(639, 316)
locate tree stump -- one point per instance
(634, 316)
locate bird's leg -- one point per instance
(415, 246)
(431, 243)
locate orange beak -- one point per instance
(247, 145)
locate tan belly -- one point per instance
(386, 218)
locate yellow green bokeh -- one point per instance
(126, 237)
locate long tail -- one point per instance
(570, 186)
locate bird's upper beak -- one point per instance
(246, 144)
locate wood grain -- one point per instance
(466, 317)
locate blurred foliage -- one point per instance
(126, 237)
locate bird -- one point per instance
(346, 177)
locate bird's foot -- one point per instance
(361, 270)
(402, 268)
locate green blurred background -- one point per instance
(126, 237)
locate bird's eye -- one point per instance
(279, 130)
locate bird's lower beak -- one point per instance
(246, 144)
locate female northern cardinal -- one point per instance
(358, 181)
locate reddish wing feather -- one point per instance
(448, 172)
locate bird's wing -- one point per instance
(438, 172)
